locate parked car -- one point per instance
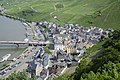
(13, 66)
(3, 72)
(10, 68)
(18, 62)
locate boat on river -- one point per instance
(5, 58)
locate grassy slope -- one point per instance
(74, 11)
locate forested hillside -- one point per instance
(103, 66)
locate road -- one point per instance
(22, 65)
(37, 32)
(23, 42)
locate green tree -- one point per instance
(20, 76)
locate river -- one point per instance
(11, 30)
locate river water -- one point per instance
(11, 30)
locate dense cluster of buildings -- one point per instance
(67, 44)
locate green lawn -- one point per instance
(72, 11)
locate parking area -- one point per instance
(20, 63)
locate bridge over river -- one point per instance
(40, 43)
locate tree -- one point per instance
(62, 77)
(20, 76)
(33, 77)
(106, 66)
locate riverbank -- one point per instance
(13, 17)
(86, 13)
(13, 35)
(24, 21)
(14, 54)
